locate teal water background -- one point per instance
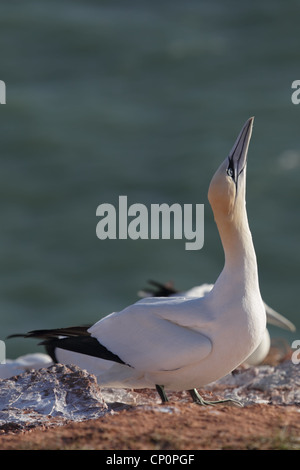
(144, 99)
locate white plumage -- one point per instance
(181, 343)
(273, 317)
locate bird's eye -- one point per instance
(230, 172)
(230, 169)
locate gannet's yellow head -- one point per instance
(226, 192)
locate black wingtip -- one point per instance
(75, 339)
(86, 345)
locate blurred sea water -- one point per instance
(143, 99)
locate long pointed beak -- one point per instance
(238, 154)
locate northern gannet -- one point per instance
(24, 363)
(273, 317)
(179, 343)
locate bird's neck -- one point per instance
(240, 257)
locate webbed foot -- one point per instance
(199, 400)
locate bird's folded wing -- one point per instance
(154, 335)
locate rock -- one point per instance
(263, 384)
(63, 392)
(55, 395)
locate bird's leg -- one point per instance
(199, 400)
(161, 391)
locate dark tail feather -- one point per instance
(55, 333)
(75, 339)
